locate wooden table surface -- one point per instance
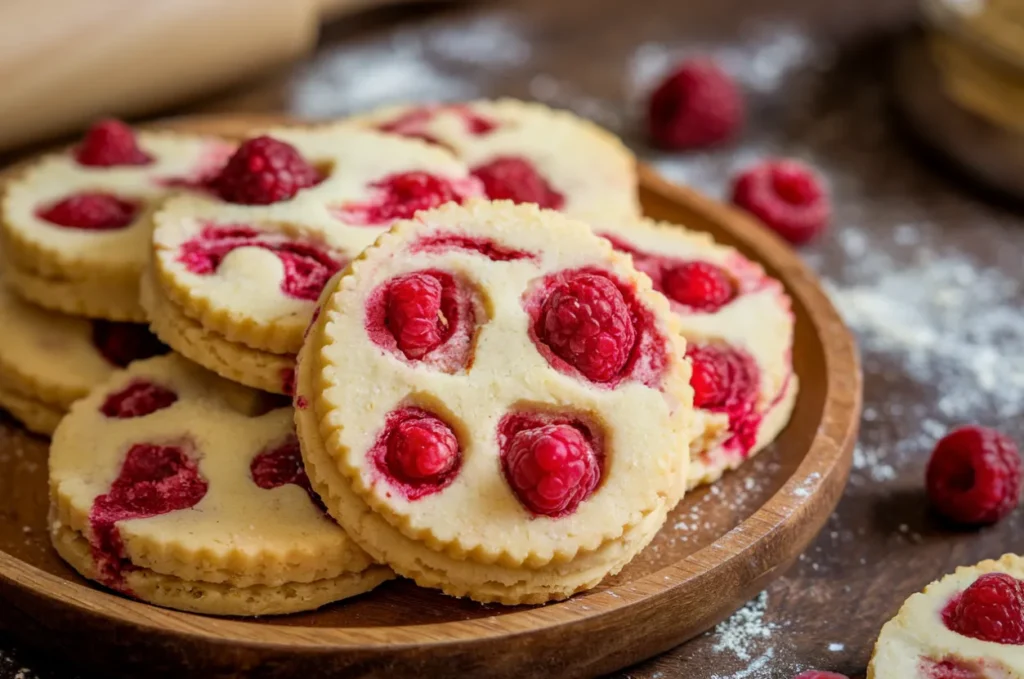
(927, 272)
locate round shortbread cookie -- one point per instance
(739, 327)
(49, 360)
(921, 641)
(47, 262)
(242, 280)
(527, 152)
(494, 402)
(175, 486)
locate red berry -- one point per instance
(818, 674)
(400, 196)
(587, 323)
(263, 171)
(991, 609)
(422, 451)
(93, 211)
(551, 469)
(698, 105)
(109, 143)
(787, 196)
(414, 315)
(974, 476)
(138, 399)
(282, 465)
(699, 285)
(723, 378)
(122, 343)
(516, 179)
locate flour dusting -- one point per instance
(744, 629)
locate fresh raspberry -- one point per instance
(91, 211)
(723, 377)
(109, 143)
(122, 343)
(263, 171)
(787, 196)
(414, 314)
(516, 179)
(818, 674)
(991, 609)
(422, 450)
(587, 323)
(417, 452)
(551, 469)
(400, 196)
(701, 286)
(974, 476)
(698, 105)
(138, 399)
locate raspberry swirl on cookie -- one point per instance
(495, 403)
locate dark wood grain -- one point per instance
(881, 544)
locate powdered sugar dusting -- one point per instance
(745, 628)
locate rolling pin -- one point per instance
(66, 62)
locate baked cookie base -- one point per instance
(112, 300)
(37, 416)
(219, 599)
(231, 360)
(710, 465)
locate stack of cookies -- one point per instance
(433, 341)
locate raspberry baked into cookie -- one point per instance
(174, 486)
(49, 360)
(495, 403)
(968, 625)
(235, 274)
(76, 225)
(739, 328)
(527, 153)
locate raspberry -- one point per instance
(91, 211)
(400, 196)
(138, 399)
(818, 674)
(699, 285)
(516, 179)
(974, 476)
(991, 609)
(698, 105)
(417, 452)
(723, 377)
(263, 171)
(280, 466)
(587, 323)
(122, 343)
(414, 314)
(787, 196)
(109, 143)
(551, 469)
(422, 450)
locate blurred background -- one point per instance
(912, 111)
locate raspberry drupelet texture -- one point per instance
(516, 179)
(551, 468)
(415, 316)
(110, 143)
(697, 105)
(702, 286)
(417, 452)
(90, 211)
(263, 171)
(402, 195)
(787, 196)
(974, 476)
(587, 323)
(138, 399)
(991, 609)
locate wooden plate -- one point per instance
(717, 550)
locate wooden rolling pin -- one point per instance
(66, 62)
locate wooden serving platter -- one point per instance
(718, 549)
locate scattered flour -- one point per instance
(746, 627)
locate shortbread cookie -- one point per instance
(739, 328)
(968, 625)
(527, 153)
(182, 489)
(76, 226)
(49, 360)
(495, 403)
(232, 285)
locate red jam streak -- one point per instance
(282, 465)
(493, 251)
(415, 122)
(402, 195)
(122, 343)
(138, 399)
